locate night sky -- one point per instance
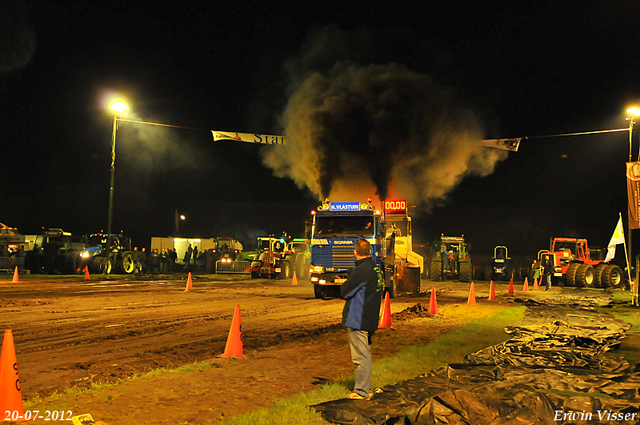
(524, 68)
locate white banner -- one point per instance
(260, 139)
(504, 144)
(266, 139)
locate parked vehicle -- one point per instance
(107, 254)
(459, 260)
(575, 266)
(54, 252)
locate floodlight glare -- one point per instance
(119, 107)
(634, 111)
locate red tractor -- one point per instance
(575, 266)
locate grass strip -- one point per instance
(409, 363)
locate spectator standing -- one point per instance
(363, 294)
(187, 258)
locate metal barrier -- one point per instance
(233, 267)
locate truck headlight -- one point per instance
(317, 269)
(85, 254)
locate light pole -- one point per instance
(116, 107)
(633, 113)
(177, 220)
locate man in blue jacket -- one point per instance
(363, 292)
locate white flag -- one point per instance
(617, 238)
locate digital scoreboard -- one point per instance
(395, 207)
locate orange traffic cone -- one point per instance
(189, 283)
(86, 273)
(535, 284)
(525, 287)
(10, 394)
(511, 291)
(294, 282)
(15, 276)
(433, 305)
(385, 318)
(472, 295)
(492, 292)
(234, 340)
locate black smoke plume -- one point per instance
(361, 130)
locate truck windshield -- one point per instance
(344, 226)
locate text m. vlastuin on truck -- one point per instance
(336, 226)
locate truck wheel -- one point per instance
(392, 286)
(319, 292)
(585, 276)
(465, 272)
(436, 270)
(128, 264)
(570, 277)
(612, 276)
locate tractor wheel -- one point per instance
(488, 273)
(305, 268)
(585, 276)
(128, 264)
(69, 263)
(97, 265)
(612, 276)
(292, 260)
(570, 277)
(102, 264)
(285, 270)
(210, 264)
(301, 267)
(465, 272)
(599, 269)
(319, 292)
(436, 270)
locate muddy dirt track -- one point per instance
(70, 332)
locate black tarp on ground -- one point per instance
(551, 371)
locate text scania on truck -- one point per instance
(336, 226)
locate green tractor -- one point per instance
(457, 262)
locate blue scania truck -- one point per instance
(336, 226)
